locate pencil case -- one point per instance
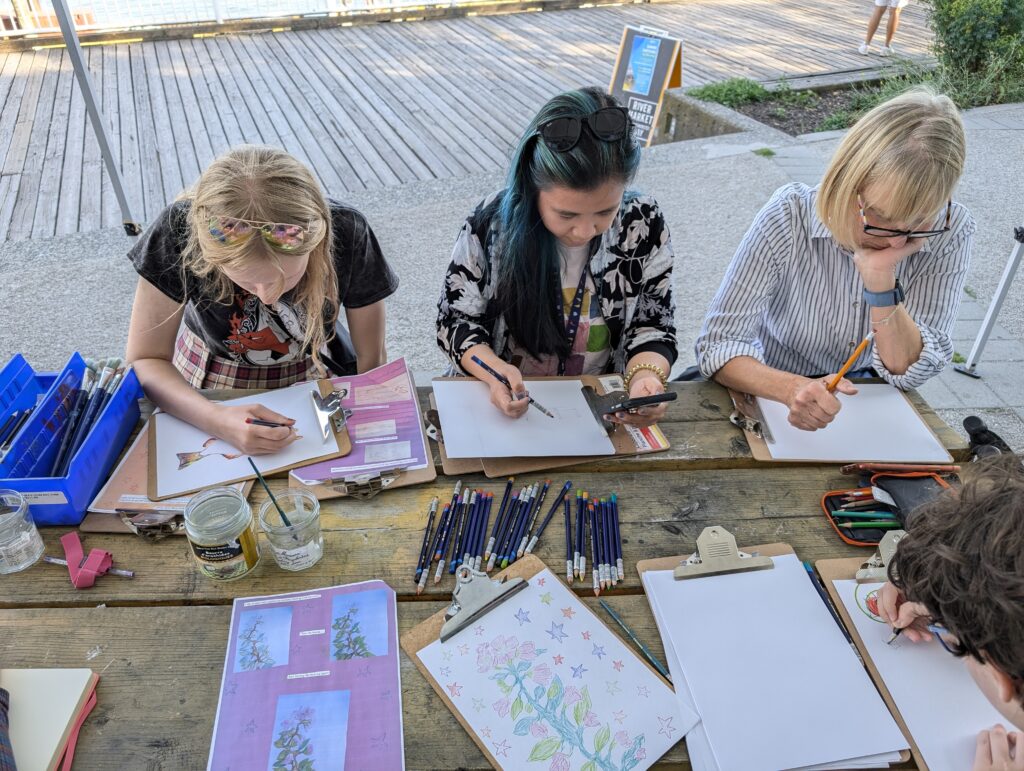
(888, 497)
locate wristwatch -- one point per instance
(885, 299)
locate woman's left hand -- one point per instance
(644, 383)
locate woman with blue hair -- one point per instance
(565, 271)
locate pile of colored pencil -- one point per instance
(460, 536)
(99, 381)
(858, 510)
(597, 520)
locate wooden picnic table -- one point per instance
(159, 640)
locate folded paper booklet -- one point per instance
(311, 680)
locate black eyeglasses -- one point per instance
(609, 124)
(950, 643)
(873, 230)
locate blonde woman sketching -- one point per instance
(879, 245)
(257, 264)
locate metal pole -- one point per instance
(67, 28)
(968, 367)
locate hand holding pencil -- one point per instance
(505, 381)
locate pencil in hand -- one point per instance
(504, 381)
(850, 362)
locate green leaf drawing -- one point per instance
(544, 749)
(556, 689)
(582, 707)
(517, 708)
(588, 766)
(602, 738)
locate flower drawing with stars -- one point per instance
(579, 671)
(586, 635)
(617, 665)
(569, 612)
(558, 659)
(501, 749)
(502, 651)
(478, 630)
(523, 617)
(556, 632)
(598, 651)
(666, 726)
(454, 689)
(619, 715)
(546, 598)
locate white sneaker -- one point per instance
(888, 51)
(864, 49)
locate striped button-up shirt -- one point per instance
(792, 296)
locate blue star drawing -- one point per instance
(232, 687)
(556, 632)
(363, 671)
(447, 655)
(598, 651)
(379, 742)
(666, 726)
(578, 671)
(250, 727)
(523, 617)
(478, 705)
(385, 695)
(446, 671)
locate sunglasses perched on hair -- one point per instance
(873, 230)
(280, 235)
(609, 124)
(946, 640)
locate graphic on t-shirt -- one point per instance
(186, 459)
(262, 335)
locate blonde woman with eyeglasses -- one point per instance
(257, 264)
(878, 246)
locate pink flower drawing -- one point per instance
(501, 707)
(572, 695)
(591, 721)
(622, 738)
(538, 729)
(541, 673)
(559, 762)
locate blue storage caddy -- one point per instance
(61, 500)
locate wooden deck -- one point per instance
(364, 106)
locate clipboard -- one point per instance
(341, 437)
(427, 632)
(842, 569)
(748, 418)
(625, 439)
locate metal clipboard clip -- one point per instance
(476, 595)
(877, 568)
(750, 418)
(329, 413)
(152, 525)
(363, 486)
(717, 555)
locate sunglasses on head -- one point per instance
(609, 124)
(280, 235)
(873, 230)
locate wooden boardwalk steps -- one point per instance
(364, 106)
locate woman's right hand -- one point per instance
(253, 439)
(911, 617)
(501, 397)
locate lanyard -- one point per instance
(572, 324)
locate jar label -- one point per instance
(228, 560)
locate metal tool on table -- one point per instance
(877, 568)
(475, 595)
(330, 415)
(717, 554)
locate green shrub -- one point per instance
(837, 121)
(732, 92)
(968, 33)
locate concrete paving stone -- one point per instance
(724, 151)
(971, 310)
(1003, 378)
(821, 136)
(938, 394)
(1008, 423)
(967, 329)
(981, 122)
(994, 350)
(972, 392)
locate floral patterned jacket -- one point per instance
(631, 266)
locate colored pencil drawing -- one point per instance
(359, 624)
(868, 603)
(186, 459)
(263, 639)
(310, 732)
(559, 717)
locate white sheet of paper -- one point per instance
(941, 704)
(474, 428)
(571, 688)
(877, 424)
(176, 438)
(771, 675)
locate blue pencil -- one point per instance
(420, 567)
(501, 547)
(568, 540)
(449, 535)
(533, 519)
(497, 520)
(482, 534)
(524, 516)
(581, 535)
(472, 520)
(592, 524)
(433, 545)
(468, 502)
(619, 567)
(609, 546)
(504, 380)
(554, 507)
(500, 526)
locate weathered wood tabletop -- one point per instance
(158, 640)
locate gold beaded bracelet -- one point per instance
(645, 365)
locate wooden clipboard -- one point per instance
(841, 569)
(761, 450)
(344, 447)
(621, 439)
(427, 632)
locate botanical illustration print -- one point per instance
(310, 732)
(559, 717)
(867, 602)
(263, 639)
(359, 625)
(186, 459)
(543, 684)
(631, 270)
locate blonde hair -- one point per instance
(268, 185)
(912, 144)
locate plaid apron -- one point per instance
(204, 369)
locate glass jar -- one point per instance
(222, 533)
(20, 543)
(299, 544)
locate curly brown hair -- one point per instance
(963, 559)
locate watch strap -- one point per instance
(893, 296)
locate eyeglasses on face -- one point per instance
(609, 124)
(946, 639)
(280, 235)
(874, 230)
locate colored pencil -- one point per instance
(482, 538)
(508, 531)
(554, 506)
(469, 530)
(850, 362)
(863, 515)
(618, 538)
(265, 423)
(882, 525)
(576, 535)
(497, 520)
(509, 556)
(820, 589)
(651, 658)
(499, 530)
(533, 519)
(568, 540)
(468, 501)
(592, 522)
(435, 542)
(426, 540)
(504, 380)
(609, 548)
(858, 505)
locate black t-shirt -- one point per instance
(245, 330)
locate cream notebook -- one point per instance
(45, 703)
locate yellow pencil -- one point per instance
(849, 362)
